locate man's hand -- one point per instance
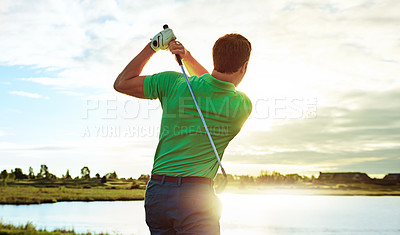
(161, 40)
(194, 68)
(177, 48)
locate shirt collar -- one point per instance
(218, 83)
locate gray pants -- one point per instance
(187, 208)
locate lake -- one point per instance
(242, 213)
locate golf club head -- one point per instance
(221, 187)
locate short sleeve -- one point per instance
(247, 105)
(159, 85)
(244, 110)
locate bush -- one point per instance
(30, 226)
(135, 185)
(103, 180)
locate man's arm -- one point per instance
(129, 82)
(193, 67)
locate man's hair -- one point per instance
(230, 52)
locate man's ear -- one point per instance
(243, 69)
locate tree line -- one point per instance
(44, 173)
(265, 177)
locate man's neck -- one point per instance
(232, 77)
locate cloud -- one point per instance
(364, 130)
(18, 148)
(345, 53)
(89, 43)
(48, 81)
(129, 158)
(28, 94)
(310, 44)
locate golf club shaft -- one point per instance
(178, 58)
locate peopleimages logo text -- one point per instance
(265, 108)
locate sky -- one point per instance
(323, 77)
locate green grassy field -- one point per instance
(42, 191)
(32, 195)
(50, 191)
(29, 228)
(315, 189)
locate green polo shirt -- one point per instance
(184, 148)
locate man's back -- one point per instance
(180, 198)
(183, 148)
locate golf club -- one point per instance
(220, 187)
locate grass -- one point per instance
(32, 195)
(29, 228)
(315, 189)
(37, 192)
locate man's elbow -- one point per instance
(131, 86)
(117, 86)
(119, 83)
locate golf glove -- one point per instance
(161, 40)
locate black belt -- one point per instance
(181, 179)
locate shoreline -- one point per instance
(22, 195)
(34, 195)
(51, 202)
(308, 191)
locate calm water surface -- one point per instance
(242, 214)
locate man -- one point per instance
(180, 198)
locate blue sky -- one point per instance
(323, 79)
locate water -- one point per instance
(242, 213)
